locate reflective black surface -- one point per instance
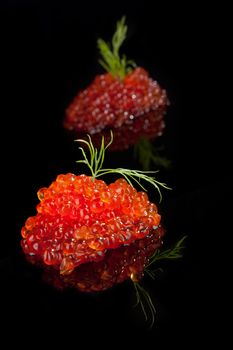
(49, 52)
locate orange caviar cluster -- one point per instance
(80, 218)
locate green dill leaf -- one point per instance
(153, 273)
(175, 252)
(119, 36)
(110, 57)
(96, 160)
(144, 300)
(148, 154)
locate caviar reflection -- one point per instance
(118, 265)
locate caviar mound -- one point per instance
(133, 105)
(79, 219)
(118, 265)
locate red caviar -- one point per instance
(79, 219)
(131, 108)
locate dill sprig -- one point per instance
(170, 254)
(143, 298)
(145, 302)
(153, 273)
(96, 160)
(110, 57)
(148, 154)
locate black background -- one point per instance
(48, 52)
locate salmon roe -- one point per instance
(79, 219)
